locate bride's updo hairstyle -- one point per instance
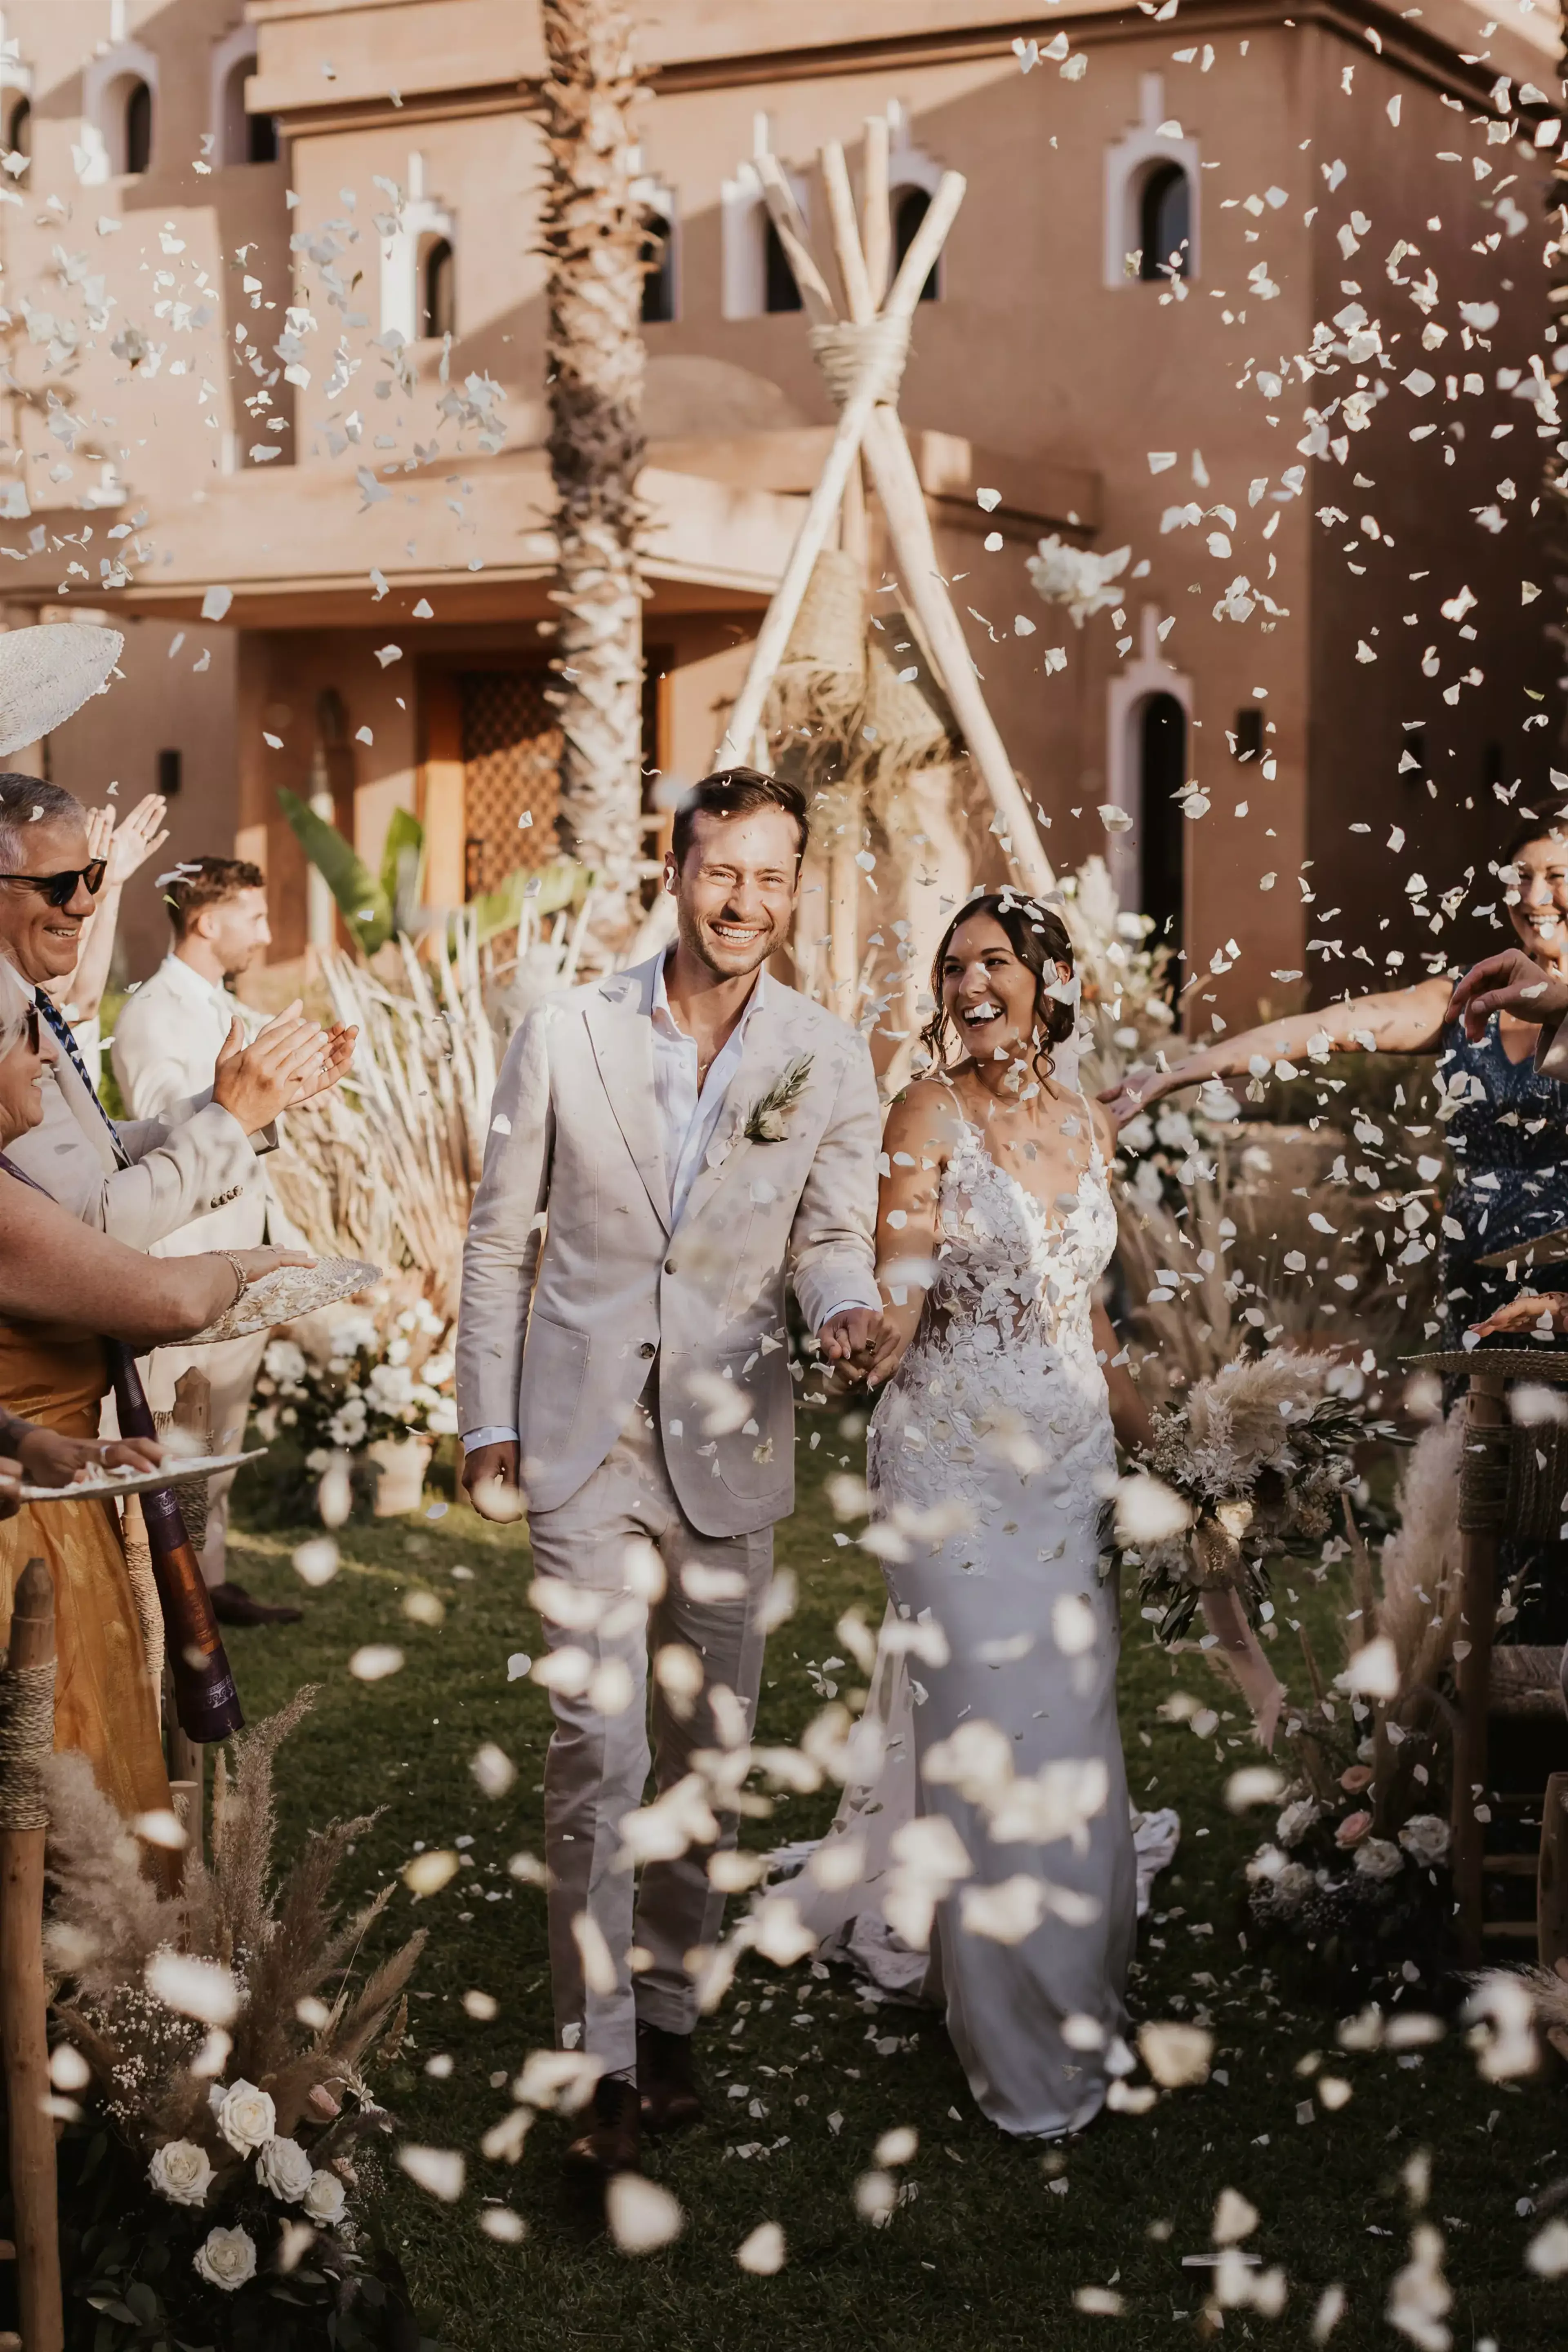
(1039, 938)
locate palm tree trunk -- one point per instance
(593, 231)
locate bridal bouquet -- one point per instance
(1253, 1464)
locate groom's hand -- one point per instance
(851, 1335)
(490, 1475)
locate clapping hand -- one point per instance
(130, 844)
(288, 1062)
(1508, 983)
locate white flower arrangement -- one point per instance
(347, 1377)
(182, 2172)
(226, 2259)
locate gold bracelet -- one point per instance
(241, 1278)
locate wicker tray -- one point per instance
(175, 1472)
(1546, 1249)
(283, 1296)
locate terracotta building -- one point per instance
(277, 320)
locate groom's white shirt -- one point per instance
(667, 1232)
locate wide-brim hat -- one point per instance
(47, 673)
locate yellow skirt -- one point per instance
(104, 1701)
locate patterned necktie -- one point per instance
(60, 1031)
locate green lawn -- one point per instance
(993, 2238)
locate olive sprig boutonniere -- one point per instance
(767, 1120)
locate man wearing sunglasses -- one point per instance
(141, 1180)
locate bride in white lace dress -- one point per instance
(991, 1458)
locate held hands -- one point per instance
(288, 1062)
(490, 1475)
(1508, 983)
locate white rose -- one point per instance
(325, 2199)
(285, 1362)
(1424, 1838)
(182, 2172)
(247, 2116)
(1377, 1858)
(226, 2258)
(1296, 1820)
(285, 2169)
(1138, 1135)
(770, 1126)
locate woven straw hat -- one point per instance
(46, 673)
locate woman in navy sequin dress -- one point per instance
(1507, 1126)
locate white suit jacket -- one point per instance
(198, 1159)
(167, 1039)
(573, 1281)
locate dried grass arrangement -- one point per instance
(1357, 1859)
(221, 2054)
(1252, 1465)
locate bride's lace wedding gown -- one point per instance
(998, 1418)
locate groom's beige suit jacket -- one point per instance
(574, 1281)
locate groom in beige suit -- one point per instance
(668, 1147)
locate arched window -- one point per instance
(138, 128)
(19, 128)
(779, 289)
(910, 206)
(1164, 222)
(1162, 772)
(658, 270)
(438, 289)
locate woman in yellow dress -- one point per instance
(64, 1290)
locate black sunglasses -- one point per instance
(59, 890)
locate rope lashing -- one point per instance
(848, 353)
(26, 1737)
(1483, 1478)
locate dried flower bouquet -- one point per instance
(210, 2177)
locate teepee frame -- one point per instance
(869, 424)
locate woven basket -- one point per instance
(1526, 1680)
(900, 728)
(820, 681)
(1535, 1509)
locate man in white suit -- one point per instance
(167, 1039)
(668, 1146)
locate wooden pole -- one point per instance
(1486, 1413)
(24, 2040)
(876, 220)
(822, 508)
(1552, 1883)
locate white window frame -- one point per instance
(235, 48)
(660, 197)
(743, 218)
(104, 90)
(1128, 163)
(426, 220)
(1136, 683)
(909, 166)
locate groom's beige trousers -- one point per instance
(596, 1770)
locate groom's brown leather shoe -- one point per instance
(611, 2142)
(666, 2079)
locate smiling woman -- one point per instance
(1504, 1121)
